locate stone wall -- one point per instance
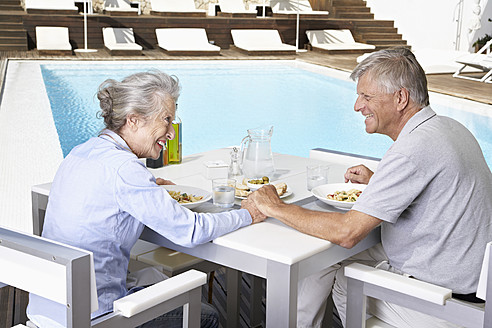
(146, 8)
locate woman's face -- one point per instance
(149, 137)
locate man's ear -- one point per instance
(402, 99)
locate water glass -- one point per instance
(223, 192)
(317, 175)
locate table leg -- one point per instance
(233, 297)
(281, 295)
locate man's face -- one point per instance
(379, 108)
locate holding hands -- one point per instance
(358, 174)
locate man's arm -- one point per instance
(344, 229)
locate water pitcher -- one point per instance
(256, 149)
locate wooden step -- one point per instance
(13, 33)
(355, 15)
(11, 7)
(10, 18)
(387, 43)
(342, 3)
(353, 9)
(11, 26)
(376, 29)
(371, 22)
(380, 36)
(21, 47)
(11, 2)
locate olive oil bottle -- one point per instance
(174, 146)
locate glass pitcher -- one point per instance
(256, 150)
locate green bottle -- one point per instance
(174, 146)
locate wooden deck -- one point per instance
(441, 83)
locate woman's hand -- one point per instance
(162, 182)
(358, 174)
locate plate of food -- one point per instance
(243, 190)
(341, 195)
(188, 196)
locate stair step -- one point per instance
(380, 42)
(352, 9)
(11, 7)
(380, 36)
(372, 23)
(355, 15)
(341, 3)
(11, 18)
(11, 26)
(376, 29)
(12, 33)
(11, 2)
(6, 47)
(13, 40)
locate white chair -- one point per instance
(335, 40)
(120, 41)
(482, 60)
(53, 40)
(176, 8)
(119, 8)
(365, 281)
(235, 8)
(342, 158)
(59, 7)
(65, 275)
(291, 7)
(185, 41)
(261, 42)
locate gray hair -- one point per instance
(143, 94)
(393, 69)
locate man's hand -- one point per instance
(162, 182)
(266, 199)
(358, 174)
(256, 215)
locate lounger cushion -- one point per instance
(335, 40)
(184, 39)
(52, 38)
(120, 39)
(259, 40)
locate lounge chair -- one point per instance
(482, 60)
(261, 42)
(289, 8)
(119, 8)
(121, 41)
(176, 8)
(235, 8)
(336, 40)
(53, 40)
(61, 7)
(185, 41)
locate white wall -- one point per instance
(431, 24)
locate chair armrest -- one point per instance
(165, 290)
(398, 283)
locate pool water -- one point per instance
(220, 100)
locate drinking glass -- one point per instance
(223, 192)
(317, 175)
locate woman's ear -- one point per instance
(132, 121)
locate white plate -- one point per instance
(286, 194)
(192, 191)
(322, 191)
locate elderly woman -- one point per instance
(103, 195)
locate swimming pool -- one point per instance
(310, 106)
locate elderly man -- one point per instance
(431, 193)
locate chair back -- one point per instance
(232, 5)
(52, 270)
(317, 37)
(181, 37)
(246, 38)
(52, 37)
(112, 35)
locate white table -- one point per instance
(271, 249)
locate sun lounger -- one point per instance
(289, 8)
(235, 8)
(121, 41)
(57, 7)
(185, 41)
(119, 8)
(261, 42)
(53, 40)
(336, 40)
(482, 60)
(176, 8)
